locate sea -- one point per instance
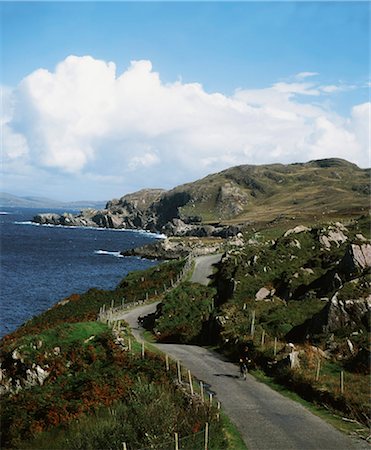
(42, 264)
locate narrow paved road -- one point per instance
(265, 419)
(204, 268)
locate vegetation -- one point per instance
(184, 310)
(277, 287)
(311, 191)
(109, 391)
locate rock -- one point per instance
(335, 315)
(357, 257)
(35, 376)
(335, 236)
(262, 293)
(296, 230)
(294, 360)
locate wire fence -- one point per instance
(109, 314)
(196, 441)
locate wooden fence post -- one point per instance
(179, 371)
(190, 382)
(211, 399)
(275, 347)
(167, 362)
(342, 381)
(176, 436)
(202, 391)
(142, 349)
(318, 369)
(263, 338)
(252, 331)
(124, 446)
(206, 436)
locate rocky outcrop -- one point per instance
(174, 249)
(357, 258)
(341, 311)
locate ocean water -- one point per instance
(40, 265)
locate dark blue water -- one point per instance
(40, 265)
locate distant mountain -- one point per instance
(11, 201)
(327, 188)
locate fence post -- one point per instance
(318, 369)
(342, 381)
(218, 413)
(275, 347)
(179, 372)
(142, 349)
(211, 399)
(124, 446)
(167, 362)
(176, 441)
(252, 324)
(206, 436)
(202, 391)
(263, 338)
(190, 382)
(129, 344)
(146, 295)
(112, 303)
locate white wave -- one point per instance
(28, 222)
(106, 252)
(4, 213)
(145, 232)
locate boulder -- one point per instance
(356, 258)
(296, 230)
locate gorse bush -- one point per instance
(147, 418)
(183, 312)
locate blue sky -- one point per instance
(247, 47)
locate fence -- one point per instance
(108, 314)
(196, 441)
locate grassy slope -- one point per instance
(327, 188)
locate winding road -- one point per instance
(266, 419)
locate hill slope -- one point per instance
(239, 195)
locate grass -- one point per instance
(233, 436)
(347, 426)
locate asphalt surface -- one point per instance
(204, 268)
(265, 419)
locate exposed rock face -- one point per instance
(339, 312)
(232, 200)
(334, 235)
(357, 257)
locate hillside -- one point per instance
(14, 201)
(242, 195)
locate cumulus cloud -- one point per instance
(84, 119)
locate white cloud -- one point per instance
(303, 75)
(85, 119)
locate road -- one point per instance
(265, 419)
(204, 268)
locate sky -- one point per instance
(100, 99)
